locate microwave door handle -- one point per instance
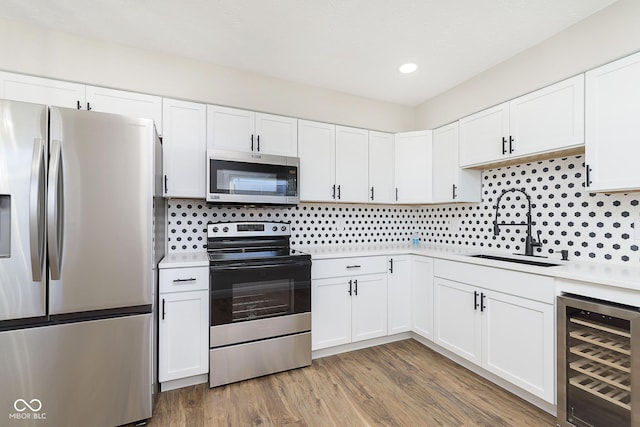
(36, 209)
(55, 205)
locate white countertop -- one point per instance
(608, 274)
(185, 260)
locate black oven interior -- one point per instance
(258, 290)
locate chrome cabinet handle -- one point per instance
(55, 207)
(37, 209)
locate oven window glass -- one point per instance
(258, 291)
(228, 177)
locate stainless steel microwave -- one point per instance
(252, 178)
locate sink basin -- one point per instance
(517, 260)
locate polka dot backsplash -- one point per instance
(591, 226)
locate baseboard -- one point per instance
(184, 382)
(359, 345)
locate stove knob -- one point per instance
(275, 228)
(284, 228)
(215, 229)
(225, 229)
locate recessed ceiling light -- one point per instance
(408, 68)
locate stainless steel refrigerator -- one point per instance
(81, 220)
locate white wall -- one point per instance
(607, 35)
(33, 50)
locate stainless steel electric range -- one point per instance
(260, 301)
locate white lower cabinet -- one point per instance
(510, 336)
(347, 307)
(183, 347)
(422, 296)
(399, 294)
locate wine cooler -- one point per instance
(598, 363)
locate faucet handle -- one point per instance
(538, 242)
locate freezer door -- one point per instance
(23, 135)
(99, 211)
(95, 373)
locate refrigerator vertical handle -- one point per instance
(36, 209)
(55, 203)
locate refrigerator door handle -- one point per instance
(36, 210)
(55, 203)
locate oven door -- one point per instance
(259, 289)
(251, 178)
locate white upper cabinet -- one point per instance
(317, 151)
(450, 182)
(230, 129)
(545, 121)
(381, 152)
(352, 164)
(184, 148)
(548, 119)
(241, 130)
(484, 136)
(613, 125)
(333, 163)
(131, 104)
(412, 165)
(276, 135)
(38, 90)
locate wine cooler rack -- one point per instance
(595, 363)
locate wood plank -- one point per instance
(397, 384)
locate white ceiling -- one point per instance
(353, 46)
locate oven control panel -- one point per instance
(248, 229)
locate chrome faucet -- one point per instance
(530, 242)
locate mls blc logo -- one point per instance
(28, 410)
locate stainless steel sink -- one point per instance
(537, 263)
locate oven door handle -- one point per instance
(257, 266)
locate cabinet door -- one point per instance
(412, 166)
(125, 103)
(445, 163)
(37, 90)
(230, 129)
(316, 149)
(352, 164)
(548, 119)
(450, 182)
(369, 307)
(184, 148)
(399, 295)
(518, 342)
(613, 126)
(457, 322)
(276, 135)
(422, 296)
(484, 136)
(184, 335)
(381, 188)
(330, 312)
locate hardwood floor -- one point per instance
(397, 384)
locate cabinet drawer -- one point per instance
(184, 279)
(525, 285)
(348, 266)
